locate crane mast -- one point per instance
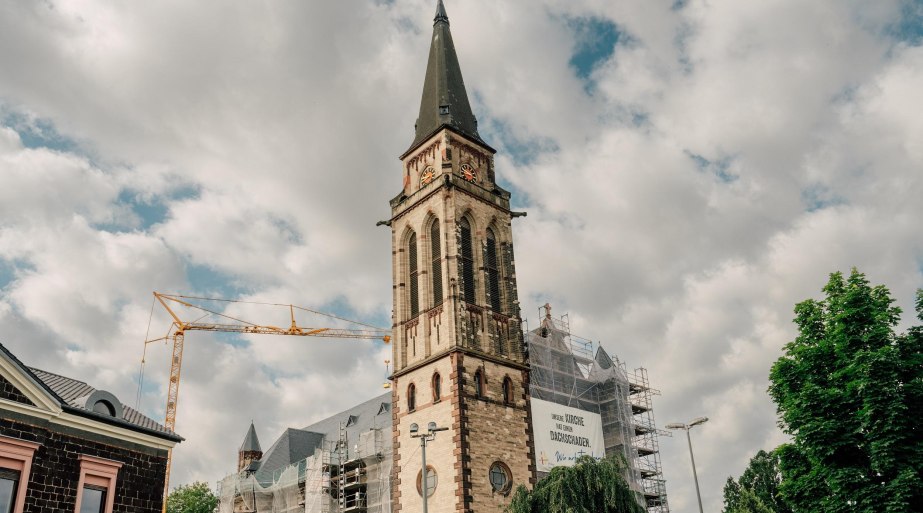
(179, 327)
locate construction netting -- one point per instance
(238, 493)
(318, 484)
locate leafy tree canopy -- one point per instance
(748, 502)
(194, 498)
(758, 487)
(849, 391)
(589, 486)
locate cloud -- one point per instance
(684, 190)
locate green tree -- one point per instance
(748, 502)
(589, 486)
(761, 480)
(194, 498)
(849, 391)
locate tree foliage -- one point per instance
(749, 502)
(758, 487)
(590, 486)
(194, 498)
(849, 391)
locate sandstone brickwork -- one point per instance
(449, 180)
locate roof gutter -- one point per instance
(173, 437)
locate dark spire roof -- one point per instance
(251, 442)
(445, 101)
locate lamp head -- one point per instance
(698, 420)
(431, 427)
(414, 428)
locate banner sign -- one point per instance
(563, 434)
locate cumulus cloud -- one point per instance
(684, 189)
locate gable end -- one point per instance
(9, 392)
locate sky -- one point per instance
(690, 169)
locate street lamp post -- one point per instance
(686, 427)
(429, 436)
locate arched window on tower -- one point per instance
(467, 261)
(493, 271)
(436, 253)
(478, 384)
(507, 391)
(411, 397)
(437, 387)
(414, 276)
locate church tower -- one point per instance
(459, 358)
(250, 450)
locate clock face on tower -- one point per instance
(469, 173)
(427, 176)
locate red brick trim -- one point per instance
(98, 472)
(460, 426)
(530, 434)
(16, 454)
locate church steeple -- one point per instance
(445, 101)
(250, 449)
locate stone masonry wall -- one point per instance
(496, 432)
(440, 453)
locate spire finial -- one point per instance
(440, 13)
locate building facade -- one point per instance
(582, 402)
(68, 447)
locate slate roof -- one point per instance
(297, 444)
(67, 391)
(251, 442)
(294, 445)
(444, 102)
(70, 390)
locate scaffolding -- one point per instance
(566, 370)
(338, 478)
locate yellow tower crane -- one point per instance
(179, 327)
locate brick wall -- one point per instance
(9, 392)
(56, 468)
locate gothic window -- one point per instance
(478, 384)
(507, 391)
(436, 253)
(411, 397)
(437, 387)
(467, 261)
(414, 276)
(493, 271)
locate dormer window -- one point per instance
(443, 110)
(102, 402)
(104, 407)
